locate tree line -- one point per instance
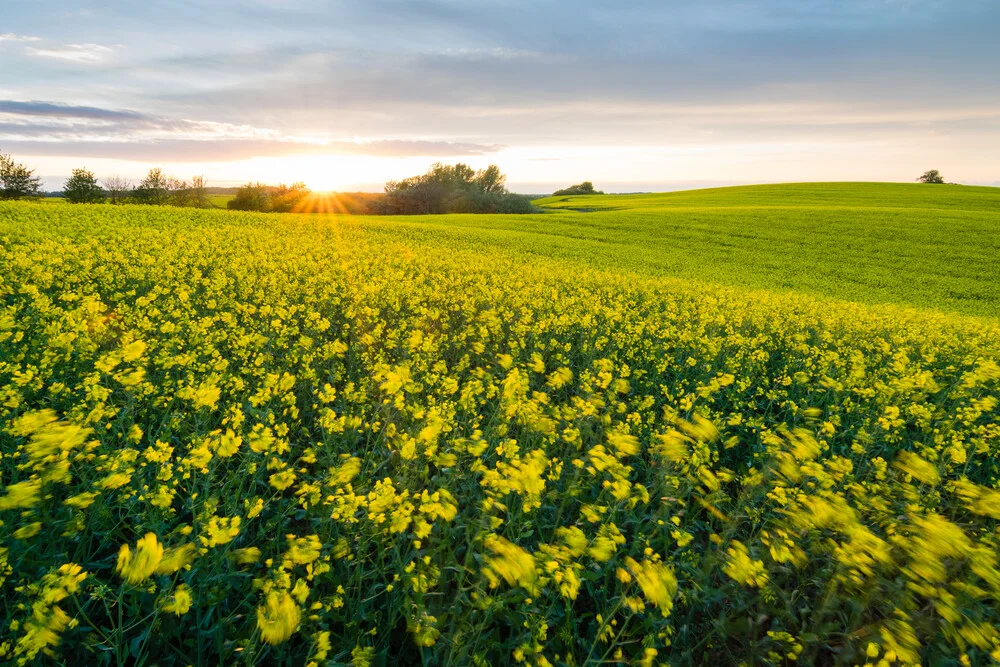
(156, 189)
(442, 188)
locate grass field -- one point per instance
(219, 201)
(738, 426)
(919, 245)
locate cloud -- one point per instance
(47, 128)
(465, 78)
(224, 150)
(77, 53)
(51, 109)
(11, 37)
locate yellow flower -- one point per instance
(657, 582)
(137, 568)
(21, 494)
(740, 567)
(177, 558)
(282, 480)
(246, 556)
(27, 531)
(220, 531)
(278, 618)
(511, 563)
(180, 602)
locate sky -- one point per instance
(635, 96)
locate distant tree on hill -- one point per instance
(198, 194)
(17, 181)
(269, 198)
(285, 199)
(154, 189)
(585, 188)
(932, 176)
(83, 188)
(491, 181)
(118, 189)
(452, 189)
(251, 197)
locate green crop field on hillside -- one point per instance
(751, 425)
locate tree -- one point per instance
(585, 188)
(452, 189)
(82, 188)
(178, 192)
(198, 195)
(16, 180)
(285, 199)
(932, 176)
(251, 197)
(491, 181)
(118, 188)
(154, 189)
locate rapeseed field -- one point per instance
(249, 439)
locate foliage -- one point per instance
(17, 181)
(154, 189)
(118, 188)
(932, 176)
(585, 188)
(256, 196)
(353, 440)
(83, 188)
(159, 189)
(452, 189)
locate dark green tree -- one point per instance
(251, 197)
(932, 176)
(17, 181)
(585, 188)
(453, 189)
(118, 189)
(198, 195)
(154, 189)
(83, 188)
(491, 181)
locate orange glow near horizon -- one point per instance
(321, 202)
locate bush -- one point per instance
(268, 198)
(585, 188)
(17, 181)
(452, 189)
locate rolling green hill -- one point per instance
(929, 246)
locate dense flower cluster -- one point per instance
(245, 438)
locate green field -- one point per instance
(737, 426)
(219, 201)
(920, 245)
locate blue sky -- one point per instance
(634, 96)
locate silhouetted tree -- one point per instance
(154, 189)
(118, 188)
(285, 199)
(491, 181)
(82, 188)
(251, 197)
(932, 176)
(585, 188)
(452, 189)
(198, 195)
(16, 180)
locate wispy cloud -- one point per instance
(77, 53)
(47, 128)
(11, 37)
